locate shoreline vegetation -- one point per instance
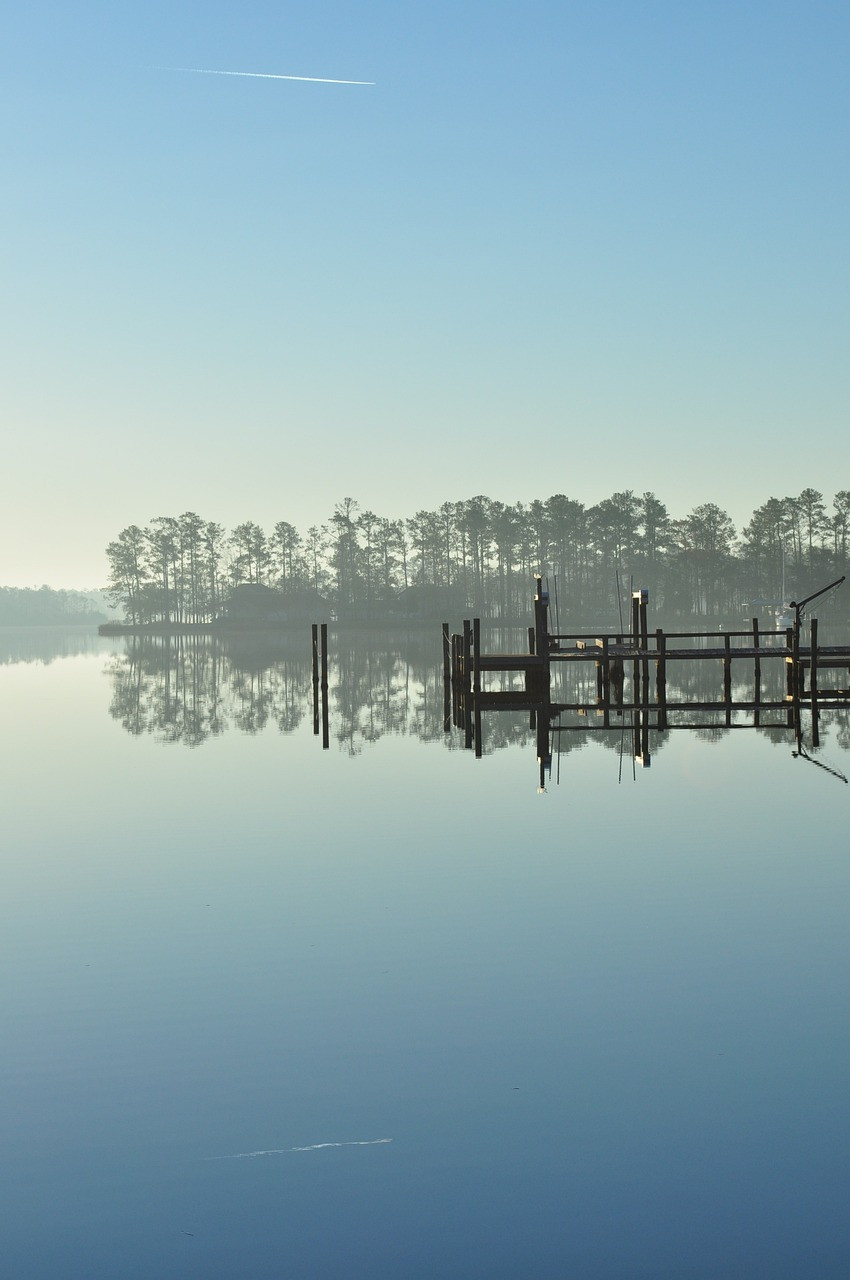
(47, 606)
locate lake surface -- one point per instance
(386, 1010)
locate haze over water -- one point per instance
(385, 1009)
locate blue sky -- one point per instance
(571, 247)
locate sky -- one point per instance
(557, 247)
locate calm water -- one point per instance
(385, 1010)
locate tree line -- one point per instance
(481, 554)
(41, 606)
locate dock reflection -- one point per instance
(187, 690)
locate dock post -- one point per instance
(813, 684)
(324, 657)
(476, 685)
(644, 644)
(447, 680)
(606, 683)
(727, 675)
(456, 679)
(532, 716)
(315, 646)
(476, 655)
(636, 646)
(756, 672)
(541, 638)
(467, 682)
(661, 677)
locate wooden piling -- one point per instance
(644, 644)
(456, 641)
(467, 682)
(315, 648)
(661, 677)
(636, 646)
(727, 676)
(476, 655)
(813, 683)
(324, 685)
(447, 680)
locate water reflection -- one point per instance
(189, 689)
(186, 690)
(43, 645)
(640, 715)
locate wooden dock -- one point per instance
(622, 664)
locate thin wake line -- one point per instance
(261, 75)
(316, 1146)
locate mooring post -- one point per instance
(467, 682)
(324, 656)
(813, 681)
(637, 603)
(661, 677)
(476, 655)
(541, 638)
(756, 661)
(727, 670)
(315, 647)
(447, 680)
(644, 644)
(606, 683)
(756, 673)
(456, 679)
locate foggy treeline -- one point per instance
(28, 606)
(480, 554)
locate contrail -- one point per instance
(262, 75)
(317, 1146)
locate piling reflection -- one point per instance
(188, 689)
